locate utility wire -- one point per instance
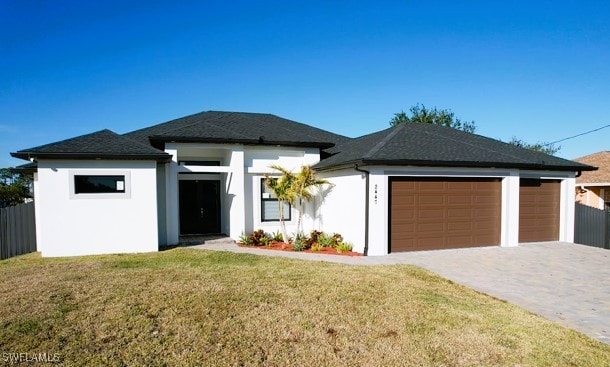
(577, 135)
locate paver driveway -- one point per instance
(566, 283)
(563, 282)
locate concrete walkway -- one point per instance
(566, 283)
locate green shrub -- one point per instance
(300, 242)
(325, 240)
(277, 236)
(244, 239)
(317, 247)
(266, 241)
(344, 247)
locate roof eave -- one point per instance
(24, 170)
(545, 167)
(161, 157)
(182, 139)
(462, 164)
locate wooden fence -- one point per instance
(17, 230)
(592, 226)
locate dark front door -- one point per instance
(199, 206)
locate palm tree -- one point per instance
(292, 188)
(303, 185)
(282, 188)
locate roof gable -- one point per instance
(237, 127)
(435, 145)
(100, 144)
(599, 159)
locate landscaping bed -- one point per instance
(281, 246)
(315, 242)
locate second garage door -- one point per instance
(441, 213)
(539, 210)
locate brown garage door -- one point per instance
(441, 213)
(539, 210)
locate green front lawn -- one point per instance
(191, 307)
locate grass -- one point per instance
(188, 307)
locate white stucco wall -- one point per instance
(341, 209)
(241, 168)
(70, 225)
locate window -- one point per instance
(93, 184)
(199, 163)
(270, 206)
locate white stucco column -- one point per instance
(509, 233)
(236, 193)
(566, 211)
(378, 213)
(171, 192)
(37, 215)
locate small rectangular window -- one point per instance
(199, 163)
(94, 184)
(270, 206)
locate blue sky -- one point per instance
(536, 70)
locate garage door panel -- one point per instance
(539, 206)
(430, 200)
(463, 239)
(456, 213)
(465, 186)
(431, 227)
(436, 213)
(459, 225)
(459, 199)
(485, 199)
(431, 213)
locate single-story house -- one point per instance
(593, 187)
(408, 187)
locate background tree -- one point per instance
(14, 187)
(420, 114)
(538, 147)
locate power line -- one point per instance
(577, 135)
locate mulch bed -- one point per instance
(281, 246)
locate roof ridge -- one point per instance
(383, 141)
(211, 122)
(478, 146)
(188, 125)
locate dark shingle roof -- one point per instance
(237, 127)
(434, 145)
(101, 144)
(26, 168)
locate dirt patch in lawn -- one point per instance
(281, 246)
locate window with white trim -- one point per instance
(99, 184)
(270, 205)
